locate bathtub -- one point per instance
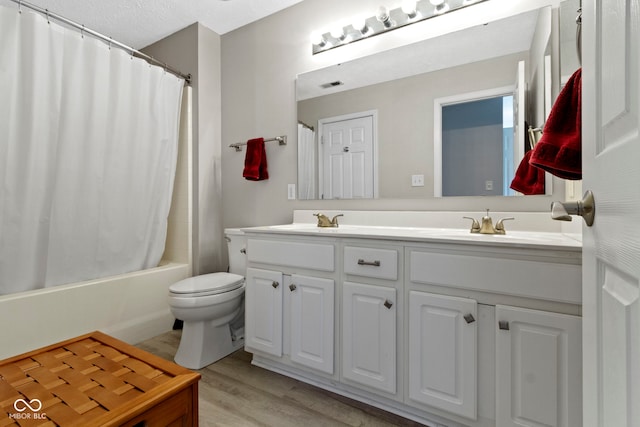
(132, 307)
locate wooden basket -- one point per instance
(96, 380)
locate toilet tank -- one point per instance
(236, 248)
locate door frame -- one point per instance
(343, 117)
(438, 103)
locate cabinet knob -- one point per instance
(388, 304)
(292, 287)
(275, 284)
(504, 325)
(469, 318)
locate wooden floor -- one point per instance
(235, 393)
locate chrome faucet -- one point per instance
(487, 225)
(324, 221)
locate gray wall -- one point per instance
(196, 50)
(244, 86)
(259, 65)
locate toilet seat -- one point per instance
(206, 284)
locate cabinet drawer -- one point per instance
(519, 277)
(315, 256)
(370, 262)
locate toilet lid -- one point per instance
(209, 284)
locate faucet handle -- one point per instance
(500, 225)
(475, 225)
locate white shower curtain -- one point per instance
(88, 148)
(306, 163)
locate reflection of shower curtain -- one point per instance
(306, 163)
(88, 148)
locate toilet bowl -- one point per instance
(212, 309)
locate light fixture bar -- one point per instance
(379, 24)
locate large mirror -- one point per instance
(407, 122)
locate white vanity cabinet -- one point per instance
(480, 331)
(263, 311)
(443, 352)
(538, 368)
(312, 318)
(370, 312)
(289, 315)
(533, 297)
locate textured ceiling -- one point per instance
(138, 23)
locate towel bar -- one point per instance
(282, 140)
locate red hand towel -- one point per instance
(559, 151)
(255, 161)
(529, 179)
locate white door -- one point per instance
(347, 158)
(611, 250)
(538, 369)
(443, 375)
(312, 302)
(369, 335)
(263, 311)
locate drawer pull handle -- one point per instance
(469, 318)
(504, 325)
(375, 263)
(388, 304)
(292, 287)
(275, 284)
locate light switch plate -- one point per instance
(291, 191)
(417, 180)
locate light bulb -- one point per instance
(318, 39)
(409, 7)
(359, 23)
(442, 8)
(337, 32)
(383, 16)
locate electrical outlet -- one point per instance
(417, 180)
(488, 185)
(291, 191)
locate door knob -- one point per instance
(586, 208)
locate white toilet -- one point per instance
(212, 309)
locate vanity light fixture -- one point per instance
(410, 12)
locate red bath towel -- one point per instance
(255, 161)
(559, 151)
(529, 179)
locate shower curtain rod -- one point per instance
(109, 40)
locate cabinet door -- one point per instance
(369, 335)
(312, 302)
(443, 352)
(538, 368)
(263, 311)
